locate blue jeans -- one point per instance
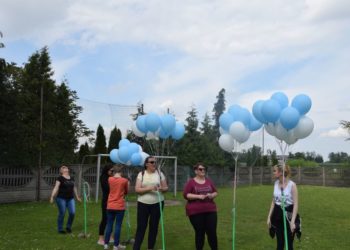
(62, 204)
(118, 216)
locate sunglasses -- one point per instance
(201, 169)
(152, 162)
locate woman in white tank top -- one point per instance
(285, 193)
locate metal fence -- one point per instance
(20, 184)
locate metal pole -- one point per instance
(98, 174)
(175, 177)
(98, 179)
(40, 143)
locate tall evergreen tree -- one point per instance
(100, 143)
(210, 152)
(10, 124)
(23, 88)
(187, 148)
(83, 151)
(114, 138)
(219, 108)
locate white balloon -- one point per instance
(143, 157)
(280, 132)
(226, 142)
(151, 135)
(136, 131)
(270, 128)
(290, 138)
(239, 132)
(304, 128)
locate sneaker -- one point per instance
(105, 246)
(101, 243)
(62, 232)
(68, 230)
(120, 246)
(115, 248)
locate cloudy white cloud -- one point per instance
(339, 132)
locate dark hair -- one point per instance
(118, 168)
(106, 168)
(144, 165)
(198, 164)
(146, 160)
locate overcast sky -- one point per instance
(178, 54)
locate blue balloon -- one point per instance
(163, 134)
(168, 123)
(254, 124)
(152, 122)
(271, 110)
(178, 132)
(141, 123)
(243, 116)
(257, 111)
(234, 110)
(302, 103)
(113, 155)
(133, 147)
(225, 121)
(123, 143)
(136, 159)
(289, 118)
(281, 98)
(124, 154)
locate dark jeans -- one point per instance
(205, 223)
(62, 205)
(117, 216)
(103, 223)
(147, 213)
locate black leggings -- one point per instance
(205, 223)
(103, 223)
(279, 224)
(145, 213)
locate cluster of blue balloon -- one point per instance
(154, 126)
(129, 153)
(286, 123)
(236, 126)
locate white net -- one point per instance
(107, 114)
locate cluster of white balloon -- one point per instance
(287, 123)
(153, 126)
(129, 153)
(236, 126)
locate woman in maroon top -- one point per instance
(201, 208)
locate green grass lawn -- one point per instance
(324, 211)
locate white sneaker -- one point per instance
(105, 246)
(120, 246)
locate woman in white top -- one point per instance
(149, 182)
(285, 192)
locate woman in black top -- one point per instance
(106, 173)
(64, 192)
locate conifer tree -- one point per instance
(100, 143)
(114, 139)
